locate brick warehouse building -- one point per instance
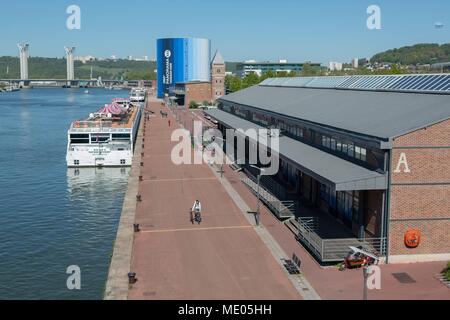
(367, 158)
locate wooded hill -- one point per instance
(425, 53)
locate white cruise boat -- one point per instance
(137, 95)
(106, 138)
(13, 88)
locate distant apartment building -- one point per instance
(441, 67)
(259, 68)
(85, 59)
(335, 66)
(355, 63)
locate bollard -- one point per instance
(132, 278)
(136, 227)
(139, 198)
(142, 164)
(141, 178)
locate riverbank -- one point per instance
(117, 282)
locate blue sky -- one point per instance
(297, 30)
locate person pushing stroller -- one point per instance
(197, 212)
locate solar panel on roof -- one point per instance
(403, 82)
(443, 83)
(436, 83)
(436, 80)
(408, 84)
(326, 82)
(427, 83)
(417, 81)
(298, 82)
(349, 81)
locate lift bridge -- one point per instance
(73, 83)
(70, 81)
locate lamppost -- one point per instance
(258, 205)
(365, 276)
(222, 171)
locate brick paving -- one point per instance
(330, 283)
(223, 258)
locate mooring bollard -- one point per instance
(142, 164)
(141, 178)
(139, 198)
(136, 227)
(132, 278)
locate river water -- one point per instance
(52, 217)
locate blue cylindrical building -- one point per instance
(182, 60)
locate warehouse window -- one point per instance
(349, 149)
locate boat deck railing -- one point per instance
(84, 124)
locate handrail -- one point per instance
(328, 250)
(282, 209)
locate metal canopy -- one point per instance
(340, 174)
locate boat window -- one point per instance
(79, 138)
(121, 137)
(100, 138)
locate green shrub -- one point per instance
(193, 105)
(447, 272)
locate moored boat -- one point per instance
(106, 138)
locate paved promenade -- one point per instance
(223, 258)
(330, 283)
(226, 257)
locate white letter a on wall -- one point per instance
(402, 162)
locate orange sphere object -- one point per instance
(412, 238)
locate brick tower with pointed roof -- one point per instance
(217, 76)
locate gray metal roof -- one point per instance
(326, 168)
(373, 113)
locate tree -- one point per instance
(310, 71)
(233, 83)
(193, 104)
(250, 80)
